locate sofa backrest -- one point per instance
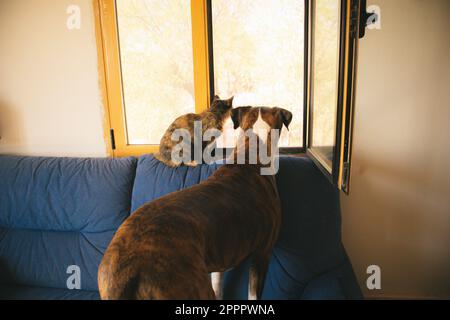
(154, 179)
(60, 212)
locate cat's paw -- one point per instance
(191, 164)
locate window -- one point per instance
(258, 56)
(161, 59)
(324, 81)
(155, 44)
(334, 30)
(153, 66)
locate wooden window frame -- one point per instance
(111, 77)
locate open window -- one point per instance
(161, 59)
(333, 34)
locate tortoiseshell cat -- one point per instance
(213, 118)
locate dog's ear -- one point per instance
(286, 117)
(238, 114)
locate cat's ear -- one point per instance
(216, 97)
(230, 101)
(238, 114)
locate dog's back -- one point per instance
(166, 249)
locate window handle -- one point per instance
(365, 18)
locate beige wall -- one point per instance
(49, 95)
(398, 213)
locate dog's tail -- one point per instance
(125, 281)
(125, 291)
(115, 283)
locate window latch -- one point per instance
(365, 18)
(113, 139)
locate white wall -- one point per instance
(398, 213)
(50, 102)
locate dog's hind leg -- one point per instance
(257, 275)
(216, 281)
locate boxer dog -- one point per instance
(168, 247)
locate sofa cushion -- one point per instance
(288, 280)
(337, 284)
(58, 212)
(311, 227)
(16, 292)
(154, 179)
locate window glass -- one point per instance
(258, 58)
(157, 66)
(325, 68)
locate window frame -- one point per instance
(111, 76)
(350, 15)
(110, 73)
(284, 150)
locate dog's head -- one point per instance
(261, 120)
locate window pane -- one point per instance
(325, 79)
(258, 57)
(157, 67)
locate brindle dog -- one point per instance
(167, 248)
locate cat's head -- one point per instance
(221, 106)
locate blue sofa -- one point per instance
(62, 212)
